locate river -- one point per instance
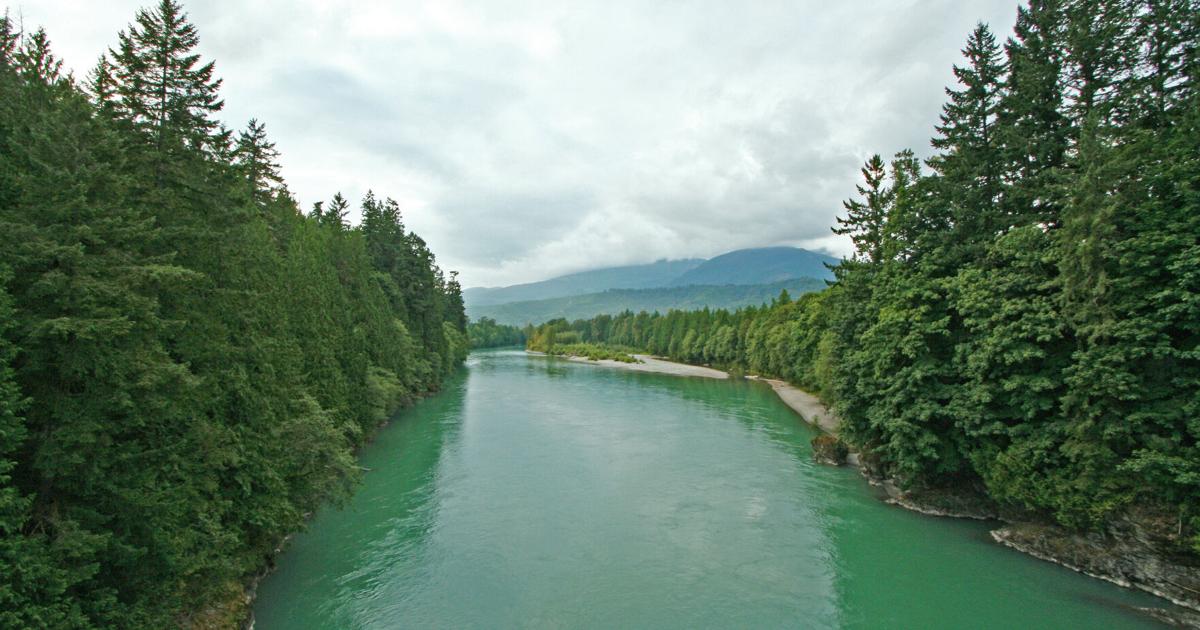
(539, 493)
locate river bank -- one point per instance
(646, 363)
(566, 496)
(1126, 555)
(236, 610)
(808, 406)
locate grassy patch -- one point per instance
(594, 352)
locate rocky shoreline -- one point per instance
(1126, 555)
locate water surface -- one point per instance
(539, 493)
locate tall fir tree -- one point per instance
(103, 388)
(194, 370)
(968, 162)
(334, 215)
(866, 220)
(255, 156)
(1032, 131)
(163, 89)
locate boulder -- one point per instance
(827, 449)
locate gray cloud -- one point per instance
(529, 139)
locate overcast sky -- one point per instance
(528, 139)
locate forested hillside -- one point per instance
(187, 362)
(656, 274)
(762, 265)
(756, 266)
(636, 300)
(1022, 314)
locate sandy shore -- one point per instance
(810, 408)
(648, 364)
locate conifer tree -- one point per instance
(968, 163)
(193, 377)
(1099, 51)
(93, 365)
(1129, 245)
(334, 215)
(257, 158)
(455, 310)
(10, 39)
(163, 89)
(102, 87)
(33, 581)
(866, 220)
(1032, 131)
(903, 226)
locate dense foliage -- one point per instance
(751, 338)
(1023, 310)
(593, 352)
(187, 362)
(558, 338)
(486, 333)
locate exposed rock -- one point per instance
(230, 610)
(1178, 617)
(1126, 554)
(955, 503)
(827, 449)
(871, 467)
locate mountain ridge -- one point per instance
(643, 276)
(662, 299)
(743, 267)
(759, 265)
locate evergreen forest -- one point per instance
(613, 301)
(486, 333)
(188, 361)
(1021, 316)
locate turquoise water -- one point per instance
(539, 493)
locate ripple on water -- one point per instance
(540, 493)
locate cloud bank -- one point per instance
(528, 139)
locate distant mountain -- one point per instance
(657, 299)
(758, 266)
(737, 278)
(657, 274)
